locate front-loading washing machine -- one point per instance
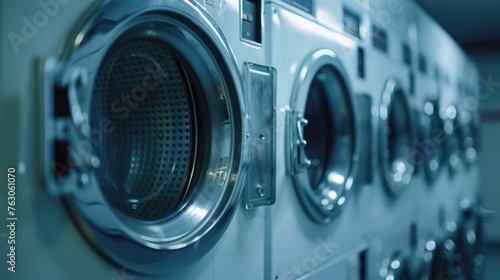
(351, 17)
(469, 146)
(316, 217)
(390, 77)
(132, 138)
(430, 151)
(461, 184)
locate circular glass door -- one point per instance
(159, 135)
(322, 137)
(396, 136)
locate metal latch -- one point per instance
(69, 155)
(298, 161)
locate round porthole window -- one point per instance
(147, 161)
(163, 110)
(396, 138)
(322, 137)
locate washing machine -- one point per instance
(390, 77)
(351, 17)
(469, 122)
(469, 237)
(462, 182)
(431, 148)
(356, 22)
(133, 142)
(316, 218)
(429, 151)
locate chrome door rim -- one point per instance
(164, 246)
(322, 204)
(397, 173)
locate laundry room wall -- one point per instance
(488, 95)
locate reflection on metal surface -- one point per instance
(433, 142)
(396, 134)
(396, 268)
(261, 88)
(167, 126)
(321, 137)
(454, 143)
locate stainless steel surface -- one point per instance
(150, 139)
(261, 86)
(365, 128)
(168, 209)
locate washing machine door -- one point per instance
(144, 132)
(321, 137)
(433, 140)
(396, 138)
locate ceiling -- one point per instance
(470, 22)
